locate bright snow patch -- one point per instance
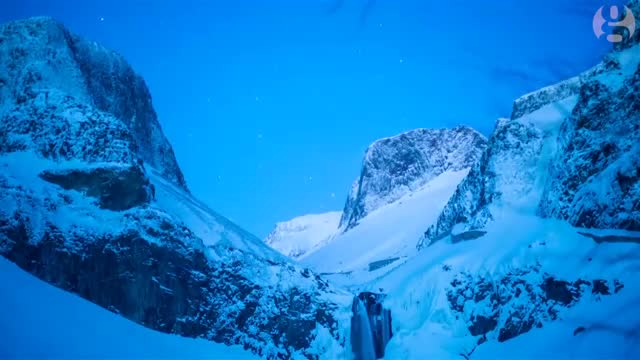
(215, 230)
(300, 236)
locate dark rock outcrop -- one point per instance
(506, 306)
(116, 188)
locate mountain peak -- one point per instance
(43, 64)
(397, 165)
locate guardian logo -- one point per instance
(628, 22)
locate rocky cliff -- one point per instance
(44, 66)
(92, 200)
(569, 151)
(398, 165)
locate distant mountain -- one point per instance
(94, 202)
(569, 151)
(406, 181)
(398, 165)
(297, 237)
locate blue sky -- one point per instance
(270, 104)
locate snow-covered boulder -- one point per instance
(569, 151)
(298, 236)
(398, 165)
(92, 201)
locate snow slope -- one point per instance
(432, 319)
(390, 232)
(301, 235)
(41, 321)
(216, 231)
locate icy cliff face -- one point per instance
(46, 69)
(396, 166)
(93, 201)
(297, 237)
(569, 151)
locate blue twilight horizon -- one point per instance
(269, 105)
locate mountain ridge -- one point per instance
(94, 202)
(394, 166)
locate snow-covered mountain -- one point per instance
(301, 235)
(406, 181)
(532, 238)
(395, 166)
(569, 151)
(531, 254)
(43, 65)
(412, 173)
(536, 253)
(93, 202)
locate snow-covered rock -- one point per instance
(93, 202)
(527, 288)
(398, 165)
(569, 151)
(65, 326)
(299, 236)
(46, 71)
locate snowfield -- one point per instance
(387, 233)
(302, 235)
(40, 321)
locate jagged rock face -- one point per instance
(601, 143)
(41, 61)
(512, 304)
(569, 151)
(80, 208)
(57, 127)
(116, 188)
(395, 166)
(627, 42)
